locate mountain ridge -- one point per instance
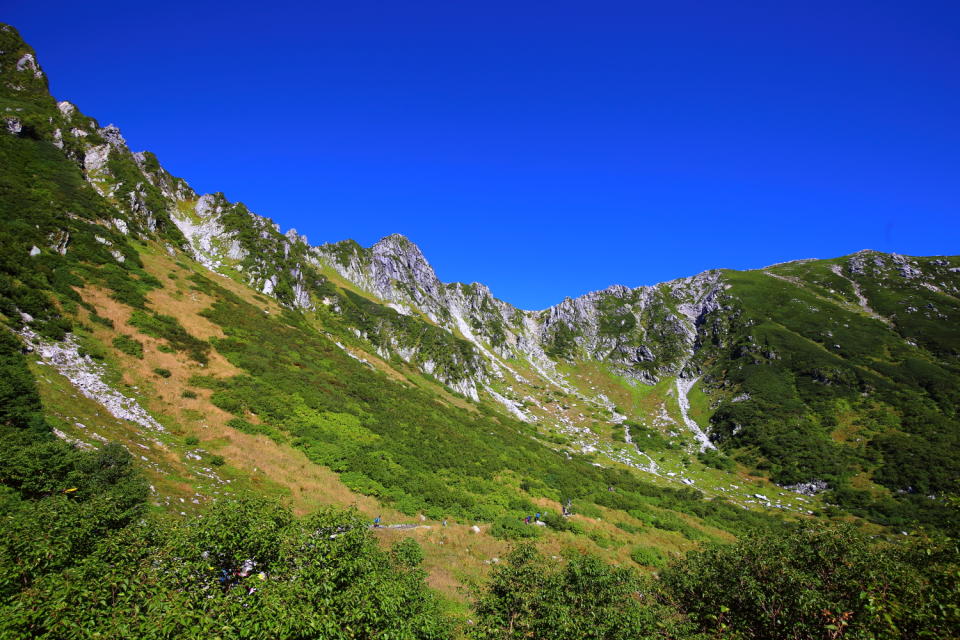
(766, 366)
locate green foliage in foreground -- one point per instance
(821, 582)
(818, 582)
(318, 577)
(532, 597)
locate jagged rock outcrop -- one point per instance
(87, 377)
(630, 328)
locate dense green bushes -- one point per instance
(820, 582)
(648, 556)
(57, 501)
(513, 528)
(531, 596)
(248, 569)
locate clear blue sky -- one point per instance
(543, 148)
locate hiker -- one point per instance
(376, 521)
(527, 520)
(444, 522)
(538, 516)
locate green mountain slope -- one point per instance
(837, 374)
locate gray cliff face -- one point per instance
(627, 327)
(646, 333)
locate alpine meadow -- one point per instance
(214, 429)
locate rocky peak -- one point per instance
(67, 109)
(399, 263)
(111, 134)
(19, 69)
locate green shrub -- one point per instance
(530, 596)
(106, 322)
(163, 373)
(820, 578)
(192, 441)
(87, 346)
(601, 539)
(187, 393)
(626, 526)
(561, 523)
(169, 328)
(714, 458)
(648, 556)
(129, 346)
(513, 528)
(217, 461)
(587, 509)
(407, 553)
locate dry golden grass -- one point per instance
(279, 468)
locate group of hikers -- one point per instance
(534, 518)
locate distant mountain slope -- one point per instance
(834, 377)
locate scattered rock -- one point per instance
(811, 488)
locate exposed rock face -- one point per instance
(87, 376)
(95, 159)
(683, 388)
(395, 270)
(811, 488)
(203, 230)
(28, 63)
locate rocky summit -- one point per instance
(176, 359)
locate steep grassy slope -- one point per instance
(844, 373)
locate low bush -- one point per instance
(513, 528)
(648, 556)
(129, 346)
